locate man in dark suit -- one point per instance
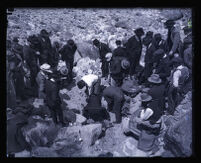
(67, 55)
(115, 99)
(134, 49)
(119, 51)
(103, 50)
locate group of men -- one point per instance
(44, 68)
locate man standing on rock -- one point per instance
(103, 50)
(67, 55)
(173, 42)
(134, 49)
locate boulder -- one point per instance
(80, 119)
(43, 152)
(172, 14)
(122, 24)
(69, 116)
(39, 132)
(178, 136)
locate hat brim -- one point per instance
(154, 81)
(50, 71)
(149, 98)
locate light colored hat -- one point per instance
(146, 114)
(108, 56)
(145, 97)
(45, 67)
(64, 70)
(154, 78)
(125, 64)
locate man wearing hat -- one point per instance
(173, 42)
(45, 47)
(134, 49)
(103, 50)
(67, 55)
(180, 83)
(157, 92)
(52, 99)
(16, 47)
(41, 77)
(150, 49)
(31, 59)
(158, 42)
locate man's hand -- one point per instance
(38, 53)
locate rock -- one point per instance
(172, 14)
(121, 24)
(43, 152)
(80, 119)
(39, 132)
(69, 116)
(178, 138)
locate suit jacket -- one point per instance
(120, 51)
(30, 56)
(113, 93)
(134, 47)
(188, 57)
(103, 50)
(175, 38)
(67, 53)
(163, 68)
(149, 54)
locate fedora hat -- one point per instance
(154, 78)
(139, 31)
(64, 70)
(108, 56)
(145, 97)
(45, 67)
(125, 64)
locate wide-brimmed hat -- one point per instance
(125, 64)
(46, 67)
(154, 78)
(108, 56)
(64, 70)
(139, 31)
(145, 97)
(169, 23)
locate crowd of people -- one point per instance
(40, 69)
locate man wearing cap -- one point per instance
(115, 99)
(40, 79)
(179, 84)
(31, 59)
(134, 49)
(157, 92)
(103, 50)
(52, 99)
(67, 55)
(173, 42)
(45, 47)
(150, 49)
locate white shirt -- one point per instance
(176, 76)
(90, 79)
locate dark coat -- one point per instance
(120, 51)
(113, 93)
(149, 54)
(30, 56)
(134, 48)
(67, 53)
(103, 50)
(115, 68)
(52, 93)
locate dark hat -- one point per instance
(33, 39)
(146, 40)
(118, 42)
(43, 32)
(157, 37)
(71, 42)
(125, 64)
(145, 97)
(139, 31)
(169, 23)
(96, 42)
(15, 39)
(154, 78)
(149, 34)
(81, 84)
(177, 60)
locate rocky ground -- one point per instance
(83, 25)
